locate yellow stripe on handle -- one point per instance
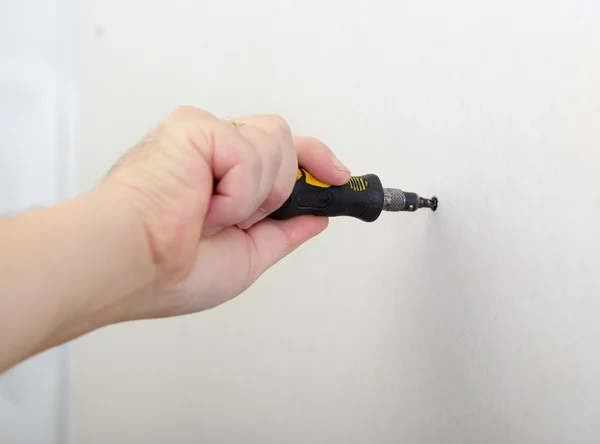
(355, 183)
(358, 184)
(311, 180)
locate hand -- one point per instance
(201, 188)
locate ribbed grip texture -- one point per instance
(393, 199)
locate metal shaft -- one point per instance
(398, 200)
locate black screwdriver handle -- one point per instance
(361, 197)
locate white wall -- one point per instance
(36, 169)
(479, 323)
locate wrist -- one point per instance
(114, 266)
(128, 251)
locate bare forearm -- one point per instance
(63, 271)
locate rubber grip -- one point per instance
(361, 197)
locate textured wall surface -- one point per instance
(475, 324)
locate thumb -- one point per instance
(275, 239)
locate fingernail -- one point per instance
(338, 164)
(257, 216)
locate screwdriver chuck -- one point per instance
(398, 200)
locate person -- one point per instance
(177, 226)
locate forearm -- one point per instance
(64, 271)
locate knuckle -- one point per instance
(184, 112)
(275, 155)
(290, 180)
(254, 164)
(318, 146)
(284, 189)
(280, 125)
(187, 128)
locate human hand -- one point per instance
(201, 189)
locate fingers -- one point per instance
(243, 178)
(273, 240)
(319, 160)
(269, 134)
(253, 164)
(255, 161)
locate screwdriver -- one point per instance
(362, 197)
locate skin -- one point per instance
(178, 226)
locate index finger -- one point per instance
(316, 158)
